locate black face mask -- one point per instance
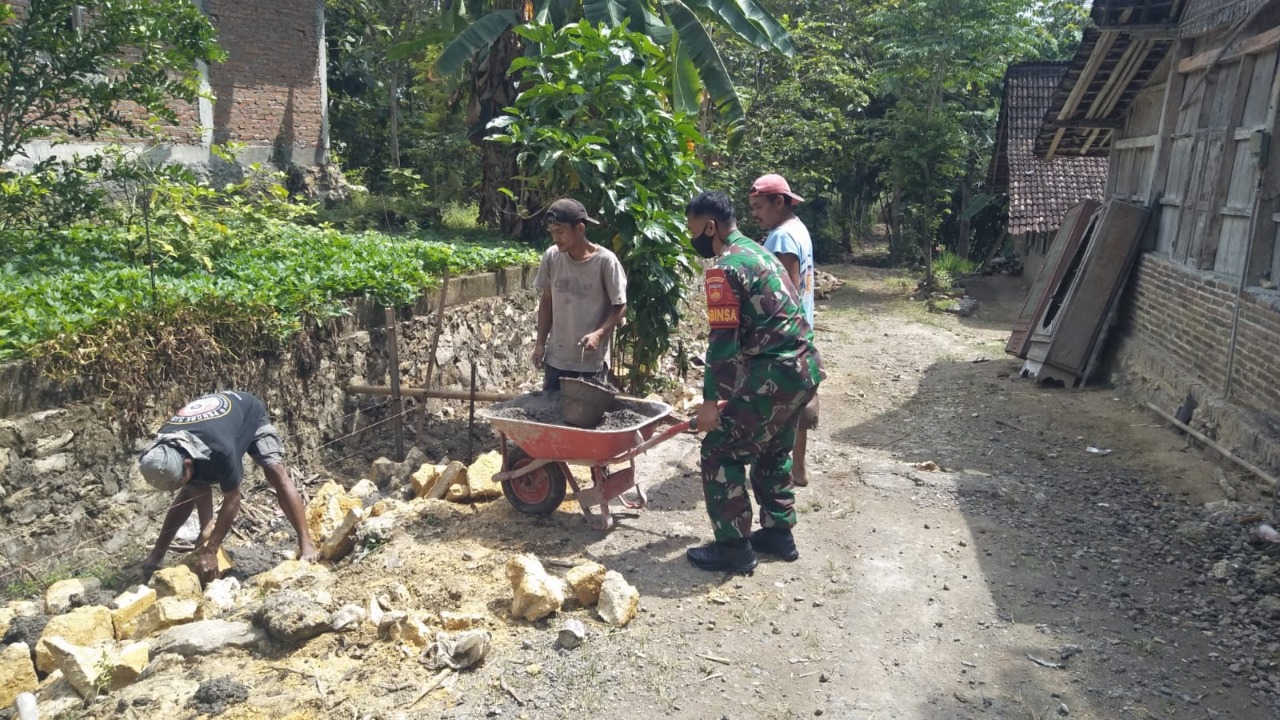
(704, 245)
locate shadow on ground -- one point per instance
(1070, 543)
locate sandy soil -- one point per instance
(1017, 576)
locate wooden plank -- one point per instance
(1168, 121)
(1088, 143)
(1141, 176)
(1100, 51)
(1254, 45)
(1190, 194)
(1234, 235)
(1209, 255)
(1264, 253)
(1053, 146)
(1167, 232)
(1255, 110)
(1204, 245)
(1107, 261)
(1274, 271)
(1147, 141)
(1087, 124)
(1117, 80)
(1152, 31)
(1065, 244)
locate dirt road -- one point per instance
(934, 594)
(1018, 576)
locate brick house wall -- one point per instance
(270, 91)
(269, 96)
(1175, 338)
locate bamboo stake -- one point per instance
(1221, 450)
(431, 357)
(441, 393)
(393, 372)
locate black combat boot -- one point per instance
(777, 542)
(731, 555)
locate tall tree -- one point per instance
(803, 117)
(384, 113)
(940, 61)
(682, 27)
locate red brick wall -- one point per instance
(268, 91)
(1183, 315)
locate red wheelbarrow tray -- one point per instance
(542, 441)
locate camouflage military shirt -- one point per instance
(759, 337)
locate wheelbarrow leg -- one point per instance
(641, 499)
(590, 498)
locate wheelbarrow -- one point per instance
(536, 459)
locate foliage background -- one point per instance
(597, 123)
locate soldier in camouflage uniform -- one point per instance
(761, 359)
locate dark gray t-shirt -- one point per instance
(228, 423)
(583, 292)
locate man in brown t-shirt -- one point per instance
(584, 297)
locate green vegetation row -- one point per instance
(60, 285)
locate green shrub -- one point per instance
(948, 268)
(459, 216)
(596, 123)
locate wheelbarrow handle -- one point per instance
(677, 427)
(692, 422)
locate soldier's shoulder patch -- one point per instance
(722, 301)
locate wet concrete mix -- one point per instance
(545, 408)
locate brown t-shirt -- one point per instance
(583, 292)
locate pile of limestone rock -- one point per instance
(79, 642)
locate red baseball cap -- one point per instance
(773, 184)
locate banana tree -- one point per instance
(694, 69)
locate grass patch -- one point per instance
(29, 585)
(459, 216)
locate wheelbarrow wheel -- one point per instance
(538, 492)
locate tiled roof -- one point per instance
(1040, 192)
(1203, 16)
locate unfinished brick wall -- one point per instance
(269, 89)
(1175, 338)
(269, 92)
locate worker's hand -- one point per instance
(708, 418)
(539, 351)
(139, 571)
(205, 563)
(591, 341)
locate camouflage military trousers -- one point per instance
(757, 430)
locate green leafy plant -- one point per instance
(949, 267)
(479, 33)
(597, 123)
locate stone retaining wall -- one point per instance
(67, 478)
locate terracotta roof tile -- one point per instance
(1040, 192)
